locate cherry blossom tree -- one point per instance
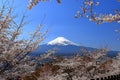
(32, 3)
(87, 10)
(14, 51)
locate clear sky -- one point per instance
(60, 21)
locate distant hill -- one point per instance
(66, 47)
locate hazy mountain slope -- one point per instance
(66, 47)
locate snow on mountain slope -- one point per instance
(61, 41)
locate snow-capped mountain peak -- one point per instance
(61, 41)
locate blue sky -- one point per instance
(60, 21)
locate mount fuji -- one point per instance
(65, 47)
(61, 41)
